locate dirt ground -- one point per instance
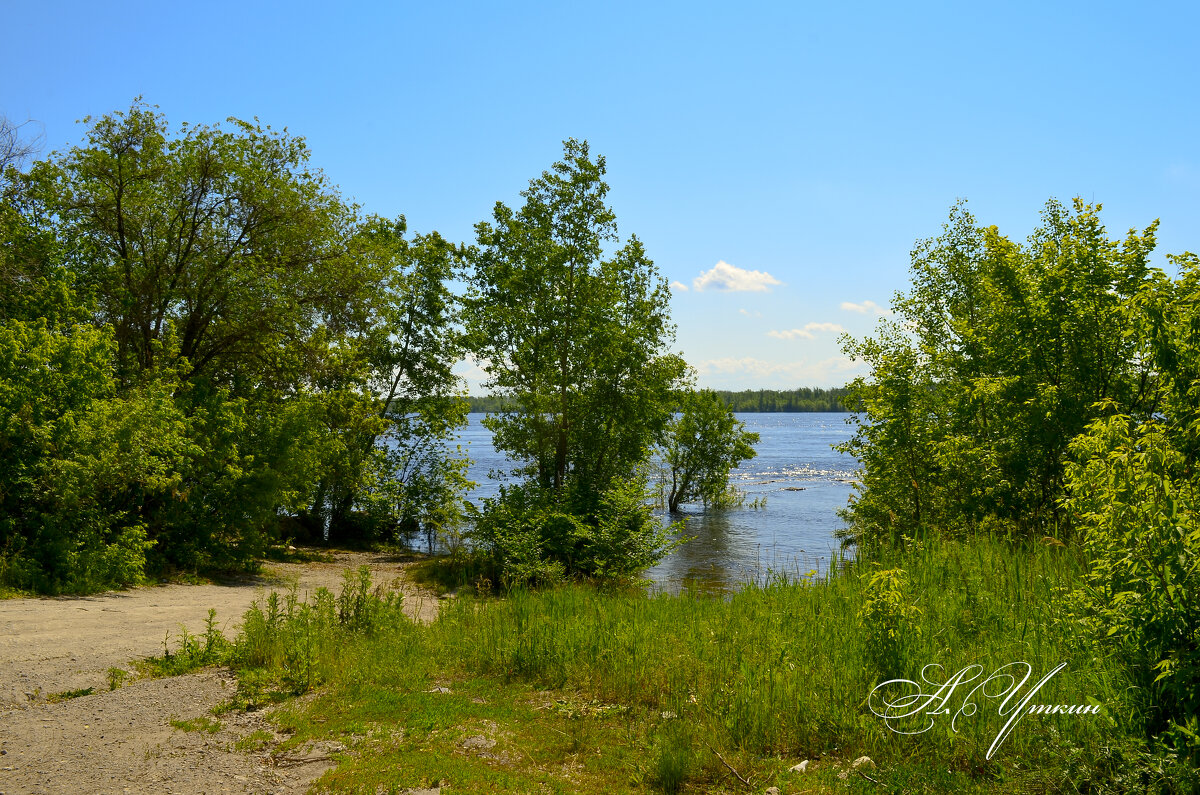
(122, 741)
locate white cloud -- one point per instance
(865, 307)
(470, 370)
(679, 286)
(730, 278)
(748, 313)
(806, 332)
(792, 334)
(835, 370)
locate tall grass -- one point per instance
(705, 688)
(786, 668)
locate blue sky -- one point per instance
(810, 143)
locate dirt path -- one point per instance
(122, 741)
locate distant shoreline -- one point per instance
(767, 401)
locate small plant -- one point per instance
(116, 677)
(255, 741)
(200, 724)
(67, 695)
(674, 756)
(888, 619)
(192, 652)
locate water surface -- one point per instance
(798, 475)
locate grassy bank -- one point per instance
(581, 690)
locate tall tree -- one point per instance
(219, 247)
(392, 454)
(263, 340)
(576, 343)
(1001, 355)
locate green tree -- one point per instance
(399, 405)
(224, 242)
(241, 345)
(701, 447)
(574, 342)
(1000, 355)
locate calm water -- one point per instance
(803, 482)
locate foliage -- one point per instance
(1136, 501)
(701, 447)
(1001, 354)
(1050, 390)
(535, 536)
(576, 346)
(198, 337)
(658, 692)
(763, 400)
(889, 619)
(387, 463)
(284, 641)
(785, 400)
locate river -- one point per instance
(798, 475)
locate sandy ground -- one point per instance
(122, 741)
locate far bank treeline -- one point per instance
(204, 349)
(747, 400)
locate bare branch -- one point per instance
(15, 146)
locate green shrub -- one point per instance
(534, 536)
(1135, 497)
(889, 620)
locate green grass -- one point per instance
(201, 724)
(577, 689)
(67, 695)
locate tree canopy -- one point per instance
(701, 447)
(1000, 354)
(200, 339)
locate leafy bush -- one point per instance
(1135, 497)
(1000, 354)
(889, 620)
(533, 536)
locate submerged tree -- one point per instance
(701, 447)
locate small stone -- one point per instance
(478, 742)
(800, 768)
(772, 791)
(862, 761)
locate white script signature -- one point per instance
(903, 703)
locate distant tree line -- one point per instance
(765, 400)
(804, 399)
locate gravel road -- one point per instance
(122, 741)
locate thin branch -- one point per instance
(731, 768)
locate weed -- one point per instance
(201, 724)
(116, 677)
(596, 686)
(67, 695)
(255, 741)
